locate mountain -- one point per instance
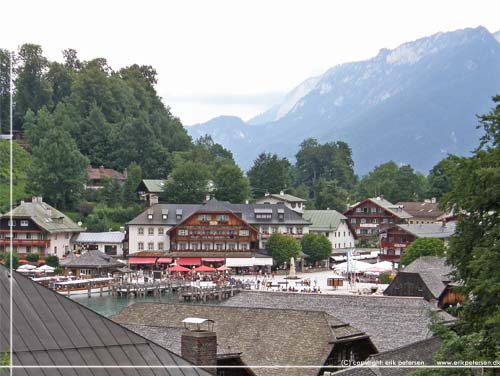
(413, 104)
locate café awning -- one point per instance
(164, 260)
(189, 261)
(141, 260)
(213, 259)
(249, 261)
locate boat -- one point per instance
(83, 286)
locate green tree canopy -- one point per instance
(187, 184)
(330, 196)
(283, 247)
(439, 177)
(423, 247)
(230, 184)
(134, 178)
(20, 166)
(270, 174)
(317, 247)
(58, 170)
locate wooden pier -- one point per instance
(184, 290)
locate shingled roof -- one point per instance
(422, 209)
(391, 322)
(429, 230)
(44, 215)
(52, 330)
(91, 259)
(421, 351)
(263, 336)
(434, 272)
(396, 210)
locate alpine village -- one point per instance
(132, 247)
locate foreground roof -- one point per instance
(263, 336)
(52, 330)
(421, 351)
(323, 220)
(391, 322)
(45, 216)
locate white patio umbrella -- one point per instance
(355, 266)
(45, 268)
(26, 267)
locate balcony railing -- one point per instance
(393, 245)
(25, 242)
(215, 251)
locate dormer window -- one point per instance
(261, 213)
(164, 214)
(150, 216)
(178, 214)
(281, 214)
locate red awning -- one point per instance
(189, 261)
(213, 259)
(141, 260)
(164, 260)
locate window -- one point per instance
(219, 246)
(264, 229)
(299, 230)
(359, 210)
(66, 235)
(204, 218)
(195, 246)
(55, 236)
(164, 217)
(66, 249)
(140, 231)
(151, 231)
(264, 216)
(161, 231)
(289, 230)
(293, 204)
(151, 246)
(12, 223)
(362, 220)
(353, 220)
(274, 229)
(28, 235)
(375, 220)
(160, 246)
(140, 246)
(182, 232)
(244, 246)
(231, 246)
(182, 246)
(344, 233)
(150, 216)
(28, 249)
(385, 220)
(244, 233)
(207, 246)
(223, 218)
(24, 223)
(374, 210)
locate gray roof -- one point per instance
(45, 216)
(100, 237)
(284, 197)
(91, 259)
(50, 329)
(429, 230)
(422, 351)
(433, 270)
(263, 336)
(390, 322)
(323, 220)
(154, 185)
(245, 211)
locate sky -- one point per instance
(231, 57)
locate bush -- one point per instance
(385, 278)
(32, 257)
(52, 260)
(85, 209)
(15, 259)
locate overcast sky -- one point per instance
(232, 57)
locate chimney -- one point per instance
(199, 346)
(433, 200)
(153, 200)
(101, 169)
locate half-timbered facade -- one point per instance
(37, 227)
(370, 216)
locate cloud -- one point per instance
(252, 99)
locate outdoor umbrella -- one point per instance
(179, 268)
(26, 267)
(204, 269)
(355, 266)
(45, 268)
(223, 268)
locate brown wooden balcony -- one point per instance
(26, 242)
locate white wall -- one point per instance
(134, 238)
